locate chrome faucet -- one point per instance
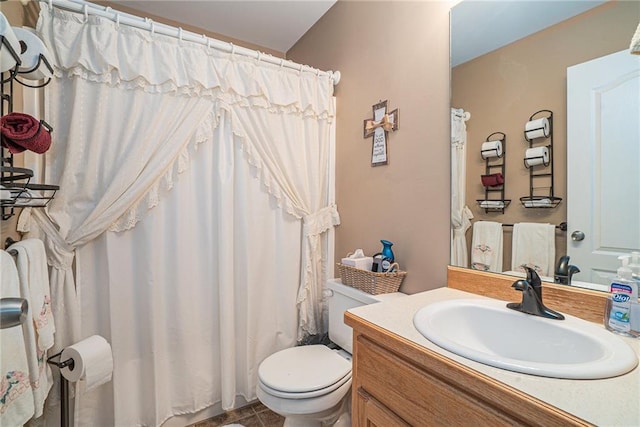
(531, 289)
(564, 271)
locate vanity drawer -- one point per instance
(416, 396)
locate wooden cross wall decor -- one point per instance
(379, 127)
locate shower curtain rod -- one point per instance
(88, 8)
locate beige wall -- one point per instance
(503, 88)
(395, 51)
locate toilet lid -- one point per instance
(302, 369)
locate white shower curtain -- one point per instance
(189, 319)
(460, 213)
(129, 110)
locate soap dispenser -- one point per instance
(634, 265)
(623, 302)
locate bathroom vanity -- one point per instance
(400, 378)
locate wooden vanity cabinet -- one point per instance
(399, 383)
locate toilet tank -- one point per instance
(341, 299)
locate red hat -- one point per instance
(23, 132)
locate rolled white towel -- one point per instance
(541, 203)
(492, 204)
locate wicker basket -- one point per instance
(370, 282)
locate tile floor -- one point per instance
(254, 415)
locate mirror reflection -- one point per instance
(510, 61)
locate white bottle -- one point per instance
(624, 292)
(634, 265)
(635, 306)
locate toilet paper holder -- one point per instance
(540, 179)
(42, 61)
(61, 363)
(64, 386)
(493, 179)
(527, 165)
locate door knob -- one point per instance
(577, 236)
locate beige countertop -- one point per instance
(607, 402)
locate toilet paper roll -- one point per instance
(538, 128)
(7, 60)
(536, 156)
(491, 149)
(32, 67)
(93, 362)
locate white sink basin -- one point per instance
(488, 332)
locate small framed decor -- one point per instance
(379, 128)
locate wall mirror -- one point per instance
(511, 59)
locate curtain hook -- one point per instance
(233, 49)
(281, 62)
(300, 69)
(117, 20)
(85, 10)
(50, 4)
(180, 34)
(152, 25)
(259, 56)
(208, 43)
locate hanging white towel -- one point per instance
(486, 246)
(16, 398)
(534, 245)
(34, 287)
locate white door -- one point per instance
(603, 163)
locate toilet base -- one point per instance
(338, 416)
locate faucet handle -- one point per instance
(562, 267)
(532, 277)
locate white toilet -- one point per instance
(310, 385)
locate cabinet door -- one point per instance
(372, 413)
(416, 396)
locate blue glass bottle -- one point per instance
(386, 250)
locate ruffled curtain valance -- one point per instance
(130, 57)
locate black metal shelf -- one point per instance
(17, 189)
(549, 200)
(540, 202)
(493, 205)
(493, 164)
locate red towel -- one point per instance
(23, 132)
(493, 180)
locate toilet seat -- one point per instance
(303, 372)
(307, 394)
(319, 406)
